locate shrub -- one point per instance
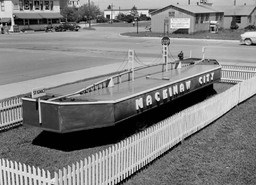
(250, 28)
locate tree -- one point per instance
(134, 11)
(109, 7)
(86, 14)
(70, 14)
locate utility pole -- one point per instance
(89, 12)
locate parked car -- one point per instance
(248, 38)
(67, 26)
(49, 28)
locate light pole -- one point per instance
(89, 12)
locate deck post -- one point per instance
(131, 64)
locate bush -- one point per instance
(26, 29)
(250, 28)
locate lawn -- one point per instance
(222, 153)
(222, 34)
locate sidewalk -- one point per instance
(19, 88)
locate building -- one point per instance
(29, 14)
(186, 18)
(74, 3)
(244, 15)
(113, 13)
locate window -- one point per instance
(26, 4)
(46, 5)
(197, 19)
(217, 17)
(2, 6)
(31, 4)
(21, 4)
(171, 14)
(221, 17)
(55, 21)
(41, 5)
(26, 22)
(36, 4)
(33, 21)
(207, 17)
(51, 5)
(15, 6)
(238, 19)
(202, 18)
(250, 19)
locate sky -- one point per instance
(156, 4)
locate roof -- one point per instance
(38, 15)
(5, 20)
(195, 9)
(242, 10)
(51, 15)
(139, 9)
(27, 16)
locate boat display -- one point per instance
(119, 97)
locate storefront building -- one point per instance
(29, 14)
(113, 13)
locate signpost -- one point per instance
(36, 94)
(165, 42)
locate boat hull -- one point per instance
(63, 117)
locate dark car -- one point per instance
(67, 26)
(49, 28)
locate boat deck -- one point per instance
(145, 83)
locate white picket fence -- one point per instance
(13, 173)
(125, 158)
(118, 162)
(10, 113)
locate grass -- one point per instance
(222, 34)
(222, 153)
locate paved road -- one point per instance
(30, 56)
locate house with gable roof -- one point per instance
(186, 18)
(244, 15)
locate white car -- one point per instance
(248, 38)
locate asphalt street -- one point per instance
(24, 57)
